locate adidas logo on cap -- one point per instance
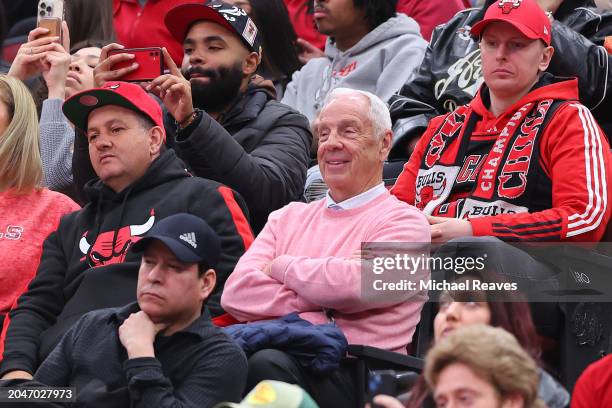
(189, 238)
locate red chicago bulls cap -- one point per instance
(130, 96)
(525, 15)
(179, 19)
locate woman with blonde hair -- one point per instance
(28, 212)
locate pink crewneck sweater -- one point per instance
(298, 262)
(25, 222)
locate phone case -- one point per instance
(53, 24)
(150, 61)
(51, 8)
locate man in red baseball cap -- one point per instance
(86, 265)
(499, 166)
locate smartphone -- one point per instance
(51, 15)
(53, 24)
(389, 382)
(150, 63)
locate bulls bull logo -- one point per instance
(429, 193)
(111, 247)
(508, 5)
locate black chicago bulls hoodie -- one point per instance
(86, 264)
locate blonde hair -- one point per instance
(20, 162)
(492, 354)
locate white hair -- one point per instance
(378, 113)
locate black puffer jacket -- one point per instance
(260, 148)
(451, 72)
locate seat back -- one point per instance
(391, 171)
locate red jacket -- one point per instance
(430, 13)
(594, 387)
(546, 179)
(144, 27)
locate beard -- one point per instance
(223, 88)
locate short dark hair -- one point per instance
(145, 122)
(377, 11)
(202, 268)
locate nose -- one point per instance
(333, 141)
(74, 66)
(501, 52)
(155, 275)
(453, 311)
(102, 142)
(196, 57)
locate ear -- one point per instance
(385, 145)
(250, 64)
(207, 283)
(156, 138)
(547, 54)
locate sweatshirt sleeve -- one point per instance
(592, 388)
(250, 294)
(270, 175)
(400, 62)
(207, 384)
(36, 310)
(56, 145)
(224, 211)
(290, 96)
(576, 155)
(336, 282)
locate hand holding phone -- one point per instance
(50, 16)
(29, 60)
(175, 92)
(150, 64)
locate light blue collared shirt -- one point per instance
(358, 200)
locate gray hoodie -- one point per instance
(381, 62)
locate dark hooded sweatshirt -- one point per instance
(86, 264)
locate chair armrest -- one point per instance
(379, 358)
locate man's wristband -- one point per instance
(189, 119)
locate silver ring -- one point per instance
(31, 51)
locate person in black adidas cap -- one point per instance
(160, 351)
(185, 244)
(228, 125)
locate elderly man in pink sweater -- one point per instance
(307, 257)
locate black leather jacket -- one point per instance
(451, 72)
